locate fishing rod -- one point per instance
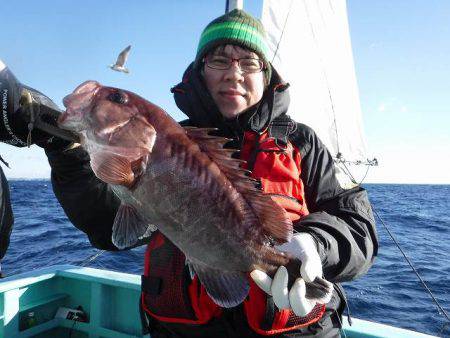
(35, 110)
(31, 106)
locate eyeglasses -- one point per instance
(247, 65)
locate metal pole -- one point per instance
(233, 4)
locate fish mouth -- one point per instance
(69, 117)
(76, 104)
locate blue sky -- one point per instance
(401, 50)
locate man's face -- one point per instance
(234, 91)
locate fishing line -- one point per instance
(92, 258)
(340, 322)
(71, 329)
(412, 267)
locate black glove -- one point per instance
(28, 116)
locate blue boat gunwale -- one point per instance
(106, 277)
(106, 280)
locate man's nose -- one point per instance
(235, 71)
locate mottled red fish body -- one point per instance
(182, 181)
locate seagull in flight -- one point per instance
(121, 59)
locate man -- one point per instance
(232, 86)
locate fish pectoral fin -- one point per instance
(129, 227)
(226, 288)
(112, 168)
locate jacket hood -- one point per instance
(193, 99)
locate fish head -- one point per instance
(114, 128)
(113, 117)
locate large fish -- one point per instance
(184, 182)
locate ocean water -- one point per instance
(390, 293)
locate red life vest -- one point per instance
(169, 295)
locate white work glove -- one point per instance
(304, 248)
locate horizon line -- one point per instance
(390, 183)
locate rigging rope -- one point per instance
(339, 158)
(412, 267)
(282, 32)
(324, 73)
(349, 173)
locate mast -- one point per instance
(233, 4)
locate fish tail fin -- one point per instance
(319, 290)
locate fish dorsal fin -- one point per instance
(272, 217)
(231, 167)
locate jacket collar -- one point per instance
(193, 99)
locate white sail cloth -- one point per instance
(313, 53)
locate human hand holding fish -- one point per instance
(296, 298)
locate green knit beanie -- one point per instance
(234, 28)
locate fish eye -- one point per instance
(117, 97)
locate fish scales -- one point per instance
(193, 200)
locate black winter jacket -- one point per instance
(340, 220)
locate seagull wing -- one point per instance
(122, 58)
